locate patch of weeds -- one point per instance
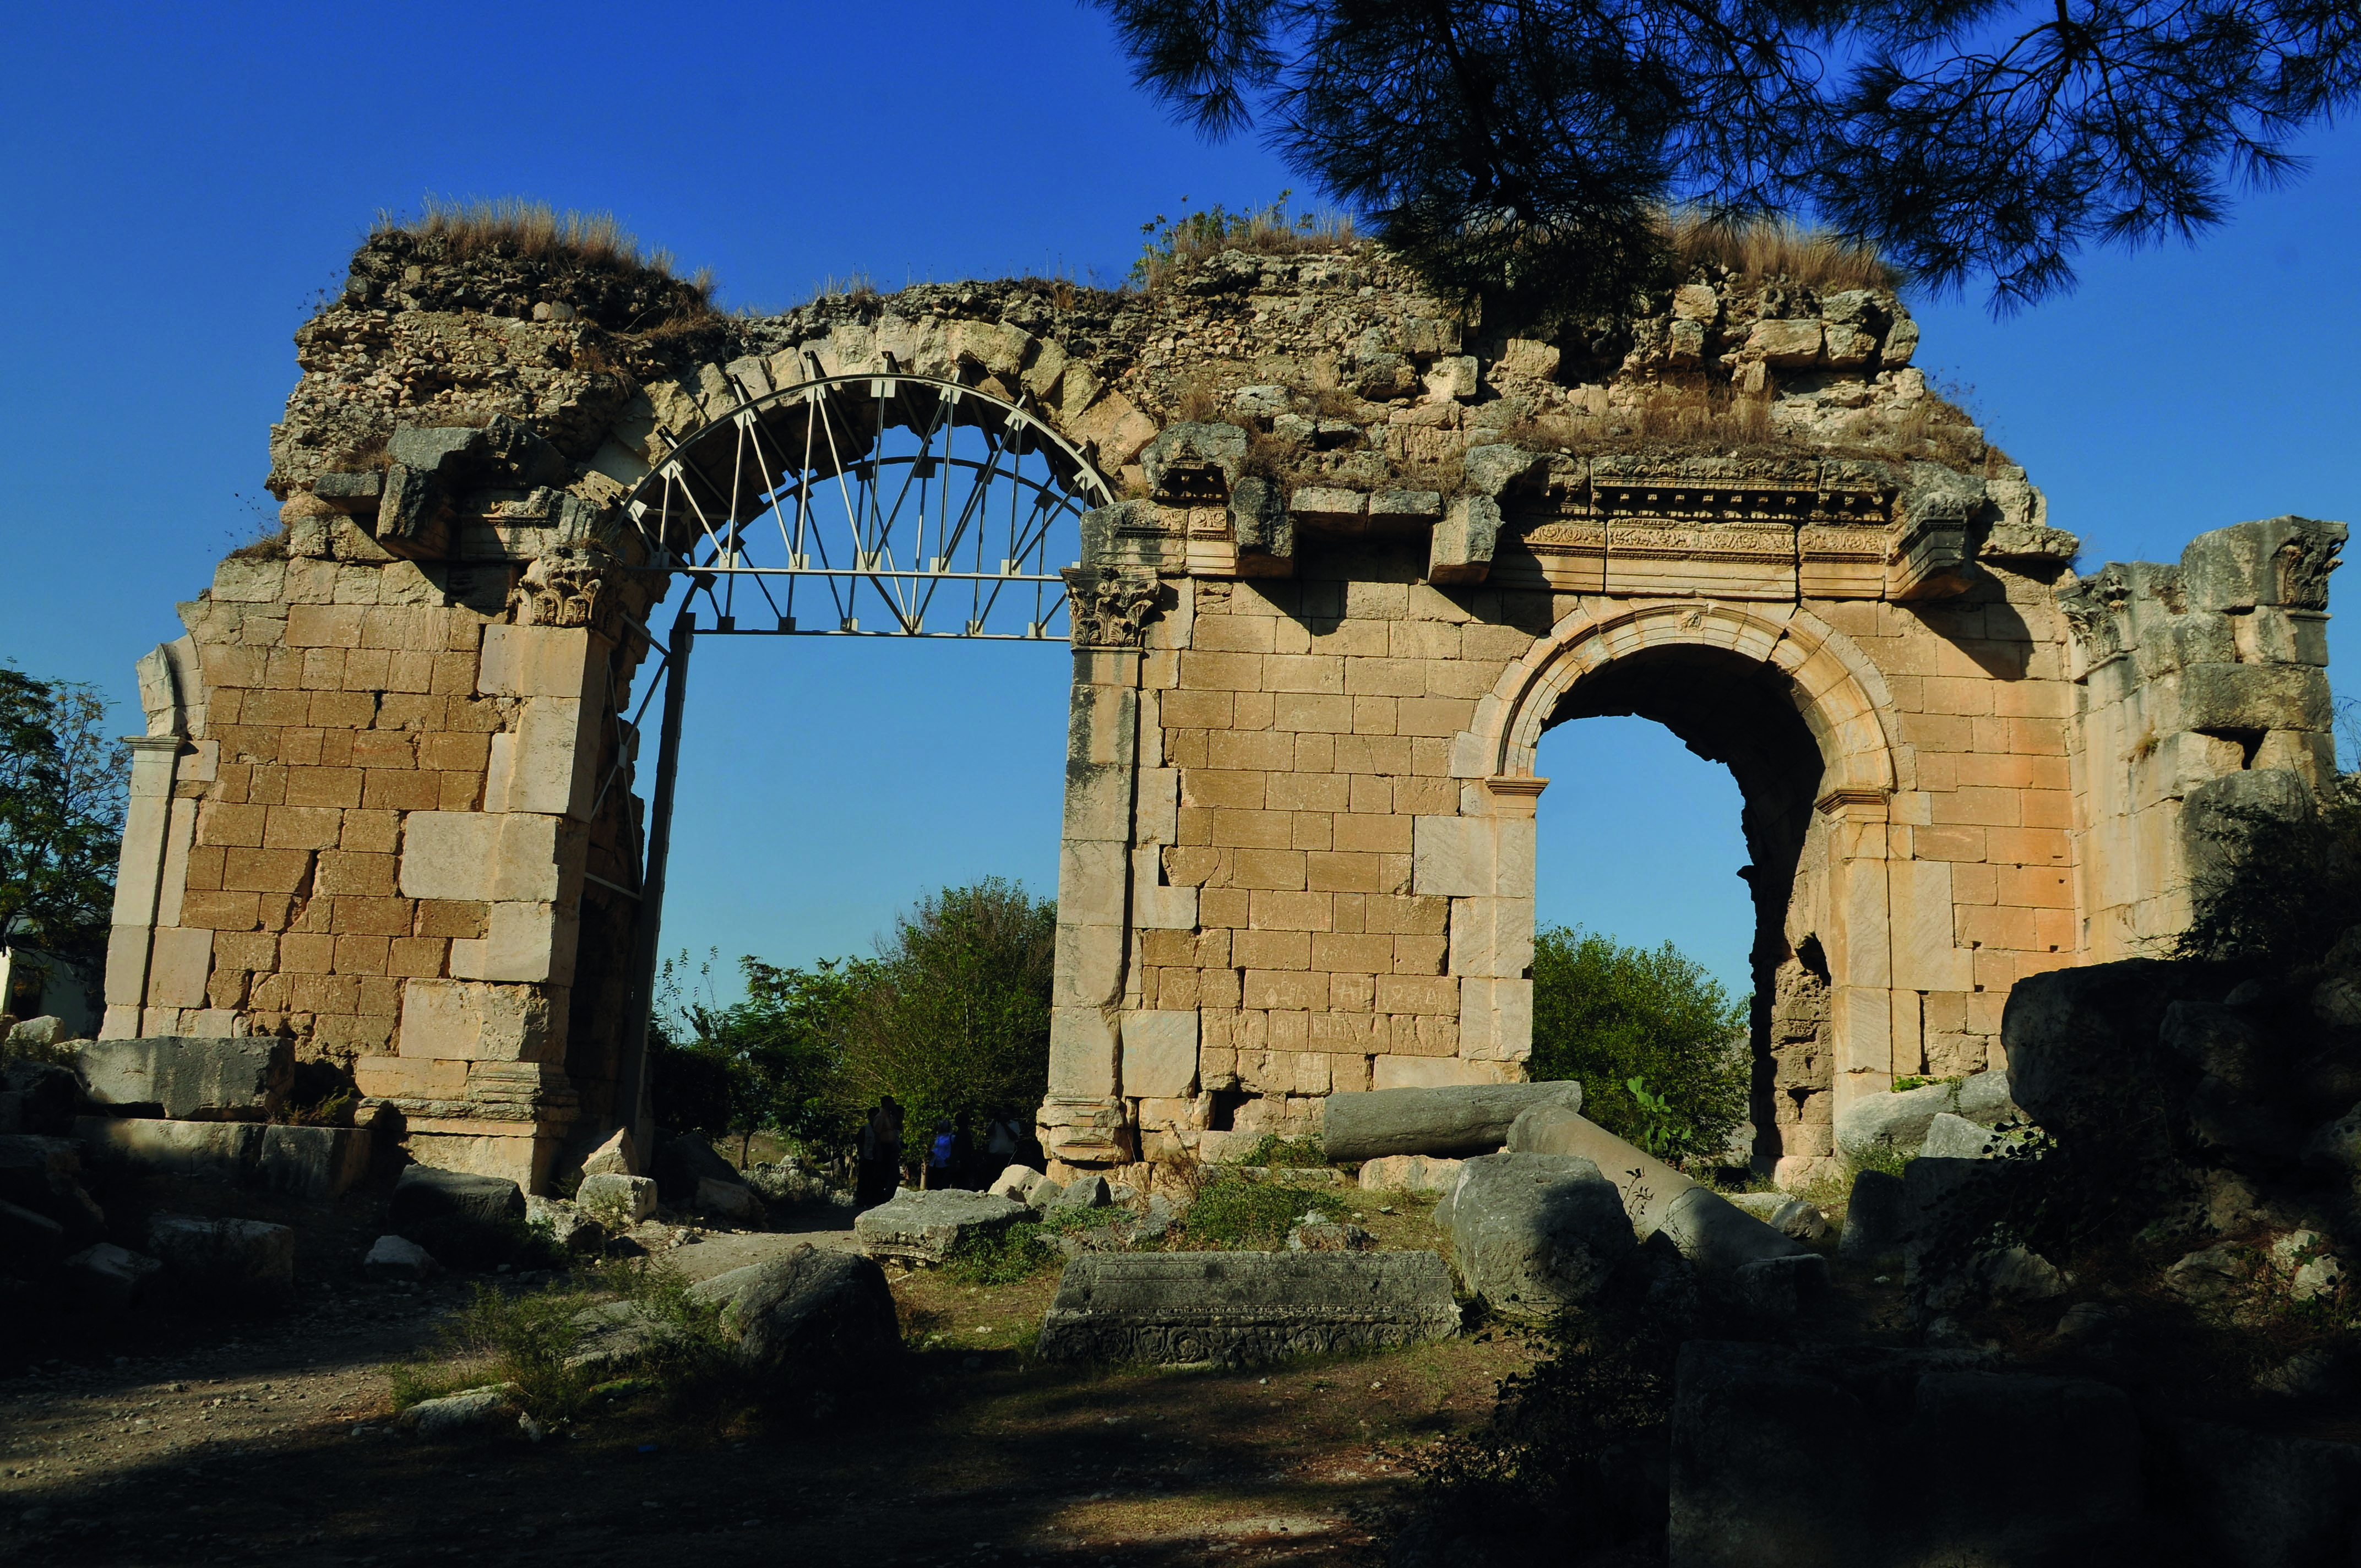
(1883, 1158)
(529, 1338)
(1235, 1214)
(1008, 1257)
(416, 1384)
(1568, 1449)
(1909, 1081)
(1289, 1154)
(687, 1350)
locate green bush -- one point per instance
(529, 1338)
(1008, 1257)
(1291, 1154)
(1647, 1035)
(1557, 1459)
(1232, 1212)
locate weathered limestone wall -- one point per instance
(2203, 685)
(1367, 556)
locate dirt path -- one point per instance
(167, 1439)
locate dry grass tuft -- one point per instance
(1197, 400)
(510, 225)
(1265, 231)
(1776, 248)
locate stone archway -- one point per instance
(1795, 710)
(1361, 557)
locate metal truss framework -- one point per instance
(873, 505)
(920, 506)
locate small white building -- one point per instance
(35, 984)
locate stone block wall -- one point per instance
(1368, 553)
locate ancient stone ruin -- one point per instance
(1346, 558)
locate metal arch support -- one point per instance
(911, 493)
(784, 458)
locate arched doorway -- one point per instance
(1786, 705)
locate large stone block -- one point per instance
(1534, 1234)
(2069, 1032)
(1160, 1055)
(302, 1162)
(1736, 1255)
(188, 1078)
(225, 1257)
(424, 1192)
(1235, 1308)
(813, 1317)
(542, 660)
(1459, 1120)
(1859, 1458)
(490, 856)
(548, 763)
(1410, 1173)
(482, 1021)
(925, 1227)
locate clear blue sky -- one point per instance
(183, 183)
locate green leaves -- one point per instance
(950, 1018)
(61, 801)
(1619, 1019)
(1521, 155)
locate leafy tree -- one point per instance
(1523, 152)
(1646, 1034)
(62, 803)
(774, 1061)
(954, 1014)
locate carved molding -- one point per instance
(564, 589)
(1110, 607)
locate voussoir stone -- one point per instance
(109, 1279)
(1535, 1232)
(1455, 1119)
(1716, 1237)
(924, 1227)
(1016, 1183)
(619, 1156)
(1893, 1121)
(1238, 1308)
(1956, 1138)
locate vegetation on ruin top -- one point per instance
(510, 226)
(1773, 250)
(1271, 230)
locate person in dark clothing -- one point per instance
(963, 1172)
(939, 1168)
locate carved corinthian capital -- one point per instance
(1110, 607)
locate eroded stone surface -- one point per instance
(1232, 1309)
(924, 1227)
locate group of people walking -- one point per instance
(949, 1157)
